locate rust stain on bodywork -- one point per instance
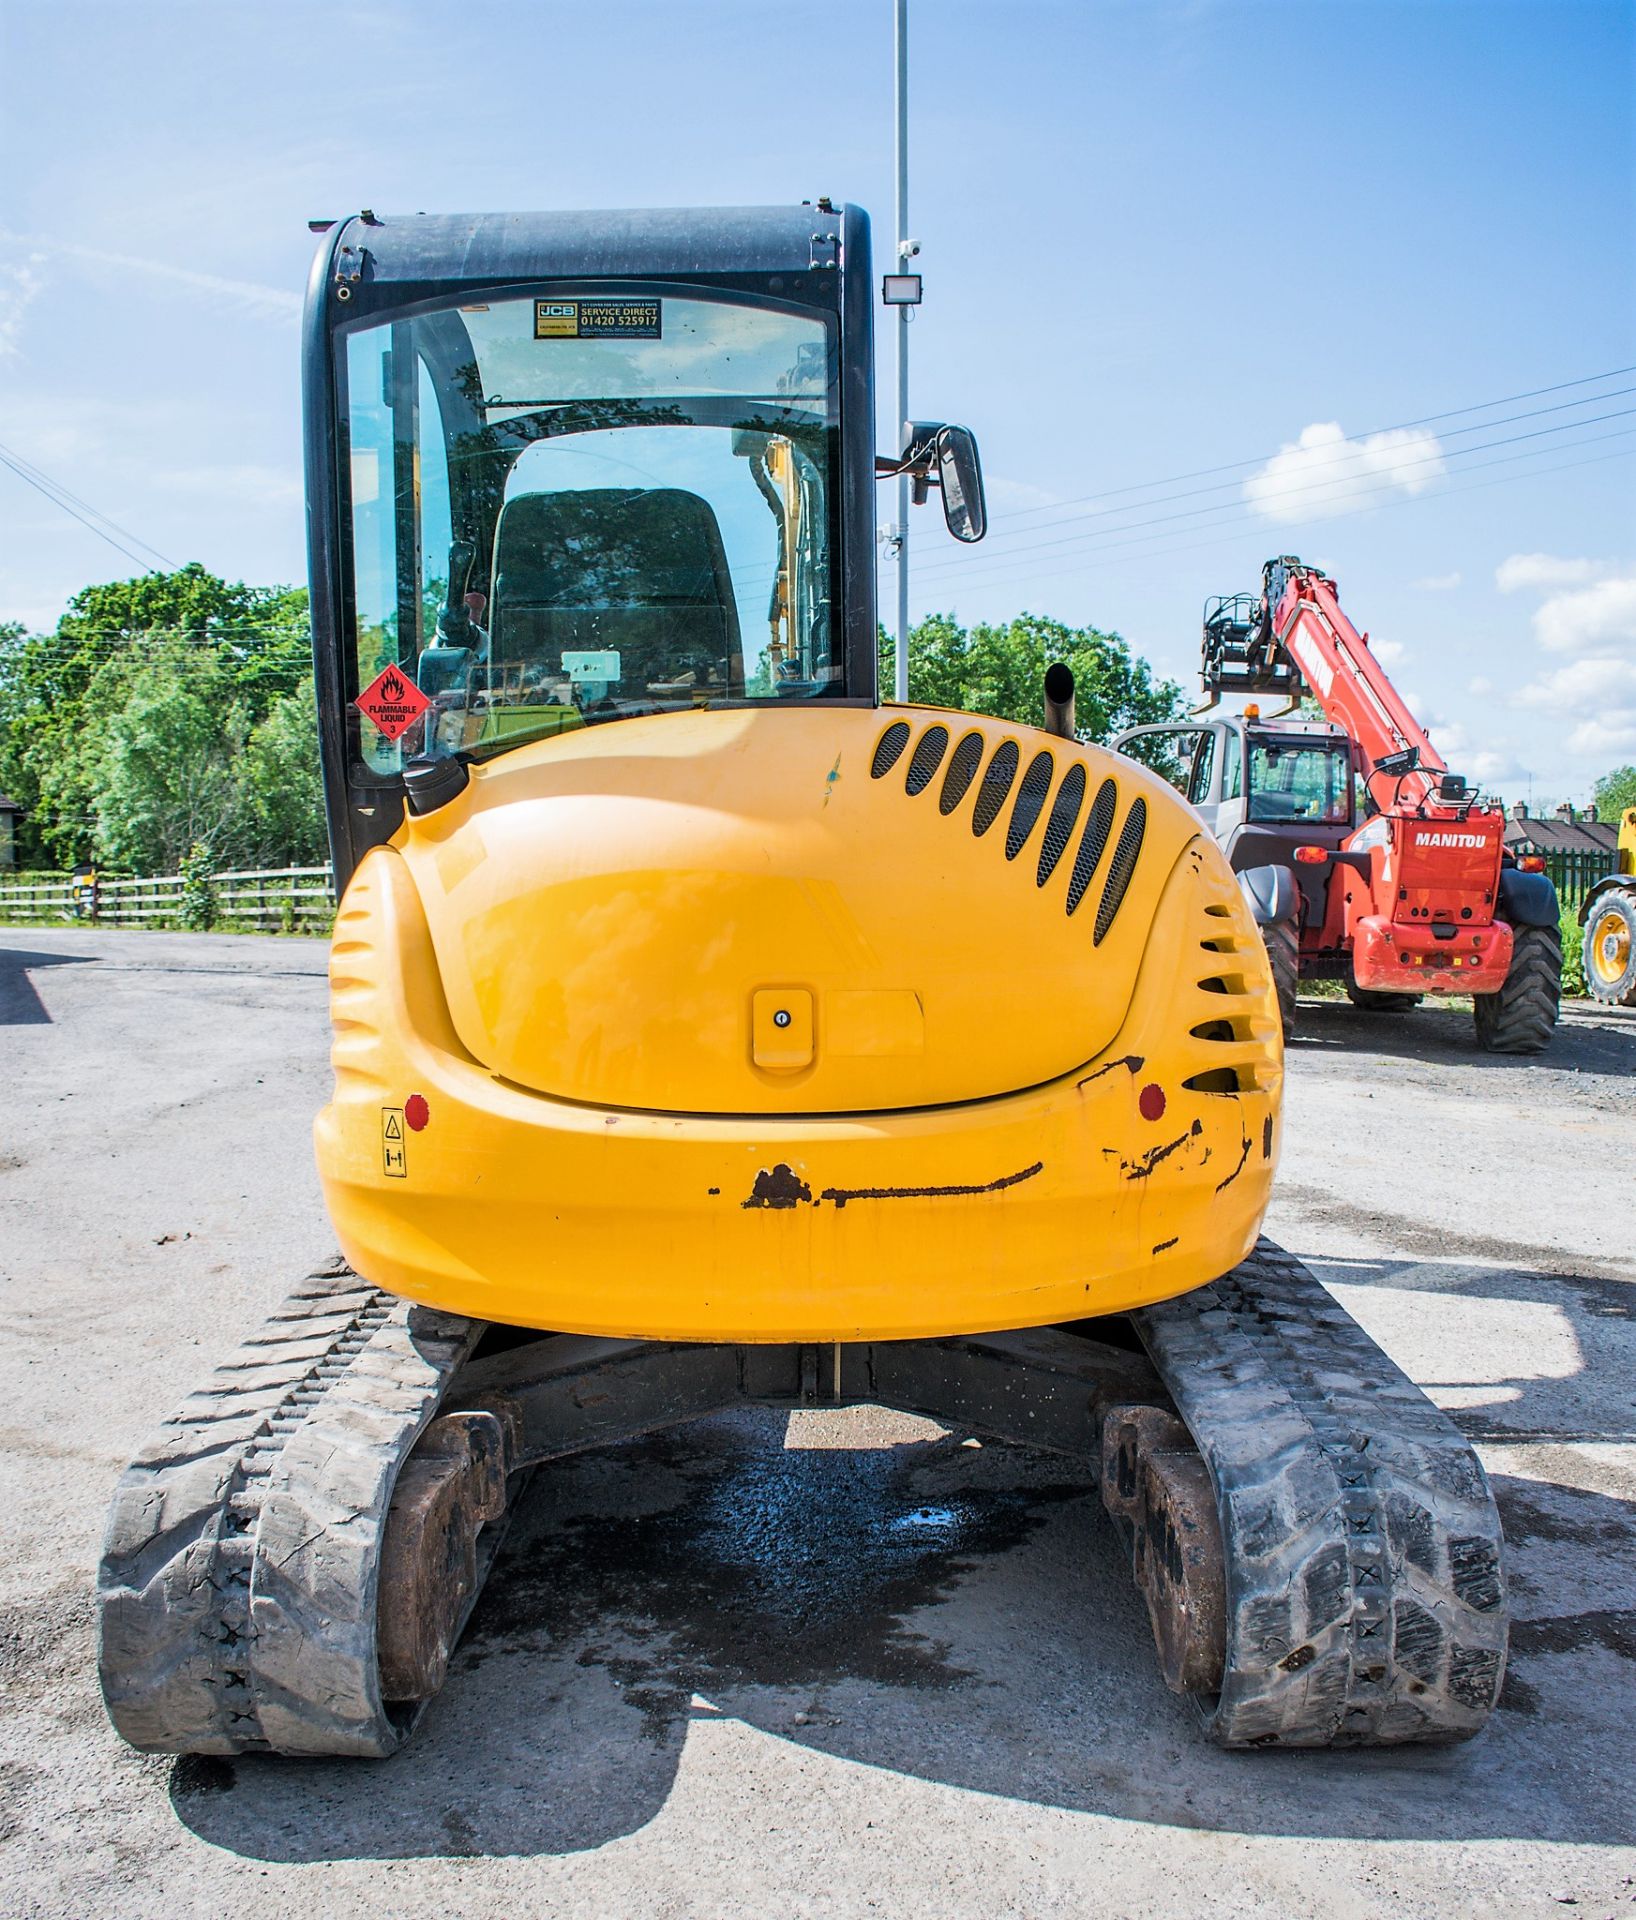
(1140, 1169)
(1134, 1062)
(1243, 1155)
(778, 1187)
(841, 1195)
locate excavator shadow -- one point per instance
(1590, 1039)
(20, 1002)
(743, 1596)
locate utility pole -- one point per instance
(904, 252)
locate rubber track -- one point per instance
(1522, 1016)
(1365, 1583)
(238, 1582)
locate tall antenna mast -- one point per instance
(904, 252)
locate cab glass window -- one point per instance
(1300, 780)
(1168, 752)
(1204, 762)
(567, 511)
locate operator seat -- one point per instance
(640, 571)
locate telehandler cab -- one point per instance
(707, 1034)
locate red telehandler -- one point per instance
(1420, 897)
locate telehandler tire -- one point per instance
(1610, 948)
(1522, 1016)
(1284, 956)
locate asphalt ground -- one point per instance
(846, 1664)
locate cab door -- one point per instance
(1203, 789)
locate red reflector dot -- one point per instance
(416, 1111)
(1150, 1102)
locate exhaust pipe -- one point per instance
(1059, 699)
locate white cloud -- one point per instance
(1603, 615)
(1543, 570)
(1387, 652)
(1438, 583)
(20, 286)
(1589, 609)
(1596, 698)
(276, 303)
(1486, 765)
(1481, 685)
(1324, 474)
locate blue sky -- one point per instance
(1156, 239)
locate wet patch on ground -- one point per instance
(769, 1566)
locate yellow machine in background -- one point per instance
(1608, 916)
(708, 1034)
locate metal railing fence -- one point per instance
(1576, 870)
(284, 898)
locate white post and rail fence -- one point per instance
(263, 899)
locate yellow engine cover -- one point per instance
(608, 913)
(826, 1023)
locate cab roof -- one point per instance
(408, 253)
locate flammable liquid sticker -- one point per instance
(393, 702)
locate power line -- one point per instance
(64, 496)
(1230, 466)
(1348, 449)
(1236, 536)
(1151, 544)
(957, 563)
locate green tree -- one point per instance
(161, 768)
(245, 648)
(1614, 792)
(1000, 671)
(280, 812)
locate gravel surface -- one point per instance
(841, 1664)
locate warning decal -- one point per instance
(393, 702)
(598, 319)
(393, 1158)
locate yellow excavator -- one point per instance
(708, 1033)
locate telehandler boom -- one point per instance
(707, 1035)
(1421, 897)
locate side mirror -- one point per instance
(944, 457)
(960, 475)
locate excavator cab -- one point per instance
(706, 1035)
(639, 446)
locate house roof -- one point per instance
(1548, 834)
(8, 805)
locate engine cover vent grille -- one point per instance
(927, 758)
(888, 749)
(968, 757)
(1036, 784)
(1092, 842)
(1121, 868)
(998, 782)
(1060, 826)
(991, 795)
